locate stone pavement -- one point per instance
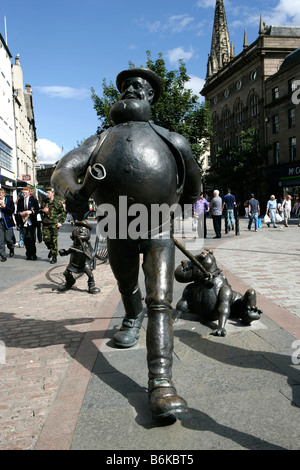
(65, 386)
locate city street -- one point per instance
(65, 386)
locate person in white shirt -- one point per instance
(287, 207)
(27, 210)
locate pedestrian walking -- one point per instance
(253, 211)
(297, 213)
(200, 211)
(271, 210)
(287, 207)
(27, 210)
(7, 209)
(216, 213)
(53, 216)
(229, 200)
(246, 206)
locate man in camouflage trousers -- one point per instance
(53, 216)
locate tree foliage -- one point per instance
(178, 109)
(239, 167)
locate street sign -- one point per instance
(26, 177)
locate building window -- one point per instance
(5, 156)
(292, 117)
(239, 85)
(226, 116)
(215, 123)
(292, 85)
(226, 93)
(254, 105)
(293, 149)
(253, 75)
(275, 93)
(276, 152)
(239, 112)
(275, 120)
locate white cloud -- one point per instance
(206, 3)
(173, 24)
(195, 84)
(64, 92)
(179, 53)
(47, 151)
(179, 23)
(286, 13)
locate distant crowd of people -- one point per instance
(275, 212)
(33, 221)
(42, 222)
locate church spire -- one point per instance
(220, 52)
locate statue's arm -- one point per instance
(69, 169)
(192, 186)
(73, 166)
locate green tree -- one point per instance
(178, 109)
(239, 167)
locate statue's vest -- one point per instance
(141, 163)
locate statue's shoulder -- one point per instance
(100, 138)
(177, 140)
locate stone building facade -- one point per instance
(283, 127)
(240, 91)
(8, 158)
(25, 128)
(17, 127)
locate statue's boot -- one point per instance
(129, 332)
(92, 287)
(249, 311)
(163, 399)
(70, 281)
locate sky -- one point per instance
(67, 47)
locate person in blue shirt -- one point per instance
(229, 200)
(254, 211)
(271, 210)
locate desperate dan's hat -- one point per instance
(144, 73)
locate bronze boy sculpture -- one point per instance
(150, 166)
(81, 257)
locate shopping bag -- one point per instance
(278, 218)
(259, 222)
(267, 219)
(194, 224)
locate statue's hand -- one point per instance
(185, 265)
(75, 201)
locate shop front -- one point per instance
(283, 180)
(9, 185)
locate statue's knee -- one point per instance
(155, 304)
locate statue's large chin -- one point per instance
(130, 110)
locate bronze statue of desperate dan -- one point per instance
(150, 166)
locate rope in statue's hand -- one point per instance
(92, 177)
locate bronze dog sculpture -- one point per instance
(210, 296)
